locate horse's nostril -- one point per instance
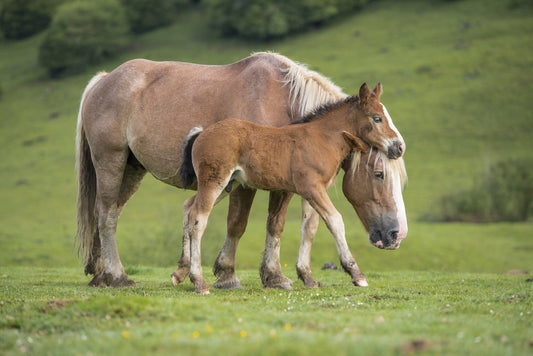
(393, 235)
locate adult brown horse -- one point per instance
(134, 120)
(303, 159)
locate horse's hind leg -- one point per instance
(240, 203)
(310, 220)
(270, 270)
(109, 174)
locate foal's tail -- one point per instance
(87, 232)
(187, 173)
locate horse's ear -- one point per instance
(355, 142)
(378, 90)
(364, 94)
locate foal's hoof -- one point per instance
(360, 283)
(178, 276)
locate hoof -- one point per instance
(360, 283)
(107, 280)
(281, 283)
(178, 276)
(227, 284)
(313, 284)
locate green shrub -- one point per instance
(23, 18)
(264, 19)
(146, 15)
(505, 193)
(83, 33)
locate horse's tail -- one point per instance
(87, 230)
(308, 89)
(187, 173)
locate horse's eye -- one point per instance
(377, 118)
(379, 174)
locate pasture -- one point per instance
(458, 82)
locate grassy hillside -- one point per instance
(457, 79)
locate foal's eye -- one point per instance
(379, 174)
(377, 118)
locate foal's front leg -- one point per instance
(240, 203)
(319, 200)
(270, 270)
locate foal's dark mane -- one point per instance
(324, 109)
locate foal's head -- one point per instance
(375, 124)
(373, 185)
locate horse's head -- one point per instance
(373, 185)
(375, 125)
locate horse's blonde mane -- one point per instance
(308, 89)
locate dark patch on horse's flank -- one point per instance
(329, 265)
(229, 187)
(187, 173)
(324, 109)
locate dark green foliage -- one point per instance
(145, 15)
(264, 19)
(83, 33)
(23, 18)
(505, 193)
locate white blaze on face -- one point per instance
(391, 124)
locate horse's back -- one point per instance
(149, 107)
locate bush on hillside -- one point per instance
(145, 15)
(83, 33)
(23, 18)
(505, 193)
(265, 19)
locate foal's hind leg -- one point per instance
(240, 203)
(309, 227)
(270, 270)
(184, 264)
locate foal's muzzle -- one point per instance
(395, 149)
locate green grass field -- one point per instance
(457, 81)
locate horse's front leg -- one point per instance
(240, 203)
(319, 200)
(310, 220)
(184, 264)
(270, 270)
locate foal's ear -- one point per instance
(355, 142)
(364, 94)
(378, 90)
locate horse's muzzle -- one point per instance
(387, 241)
(396, 149)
